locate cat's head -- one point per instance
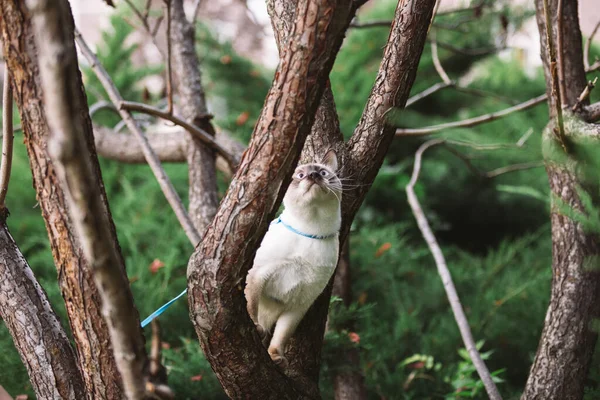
(315, 183)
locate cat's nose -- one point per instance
(314, 176)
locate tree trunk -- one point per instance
(90, 332)
(219, 265)
(203, 201)
(36, 331)
(567, 344)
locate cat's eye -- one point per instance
(300, 175)
(323, 172)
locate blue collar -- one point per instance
(297, 232)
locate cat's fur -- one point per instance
(290, 270)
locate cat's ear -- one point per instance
(330, 159)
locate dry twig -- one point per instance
(153, 161)
(559, 52)
(169, 72)
(471, 121)
(7, 138)
(585, 94)
(453, 299)
(196, 12)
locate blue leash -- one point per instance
(164, 307)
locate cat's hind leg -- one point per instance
(284, 329)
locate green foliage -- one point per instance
(115, 52)
(235, 86)
(494, 232)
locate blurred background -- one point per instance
(494, 227)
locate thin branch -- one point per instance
(559, 52)
(169, 70)
(588, 44)
(457, 309)
(153, 161)
(137, 12)
(194, 130)
(585, 94)
(512, 168)
(7, 138)
(436, 61)
(147, 9)
(465, 51)
(473, 8)
(471, 121)
(196, 11)
(68, 149)
(428, 92)
(594, 67)
(559, 131)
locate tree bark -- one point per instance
(219, 265)
(94, 352)
(36, 331)
(567, 344)
(73, 160)
(203, 200)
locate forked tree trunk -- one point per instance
(94, 352)
(568, 340)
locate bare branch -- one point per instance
(594, 67)
(7, 138)
(73, 161)
(559, 131)
(153, 161)
(428, 92)
(472, 121)
(197, 132)
(453, 299)
(436, 61)
(588, 44)
(169, 70)
(559, 53)
(196, 12)
(581, 100)
(465, 51)
(36, 331)
(512, 168)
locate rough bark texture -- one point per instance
(36, 331)
(219, 265)
(95, 356)
(65, 106)
(567, 343)
(203, 200)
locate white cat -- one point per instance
(297, 255)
